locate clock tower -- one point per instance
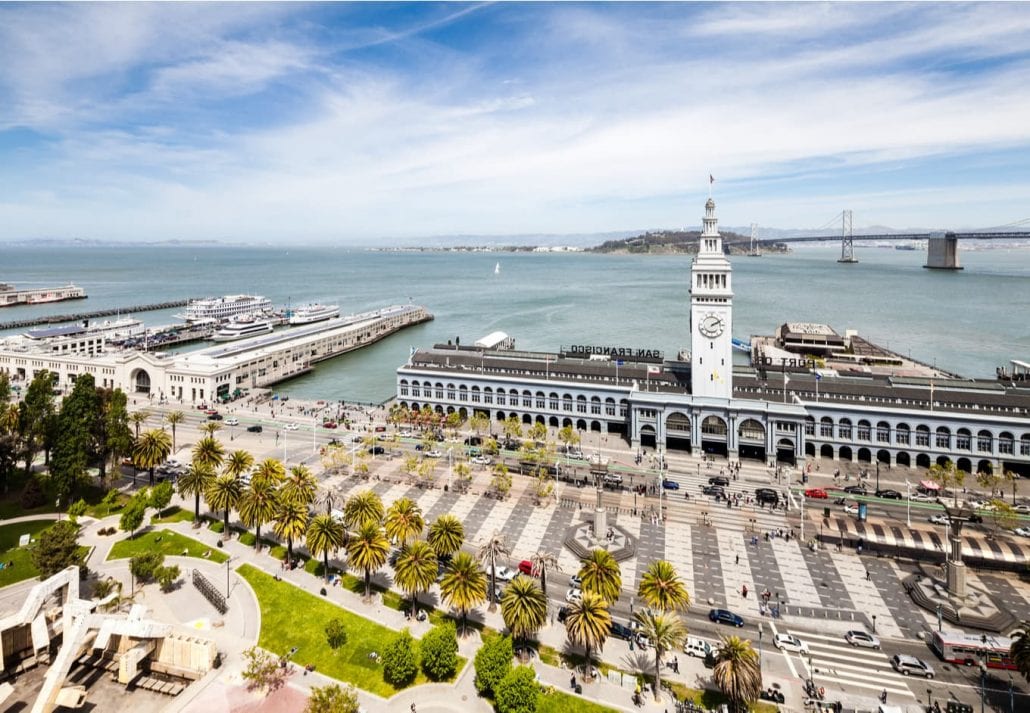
(711, 314)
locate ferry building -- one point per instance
(701, 404)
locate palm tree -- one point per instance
(415, 569)
(271, 469)
(490, 552)
(208, 454)
(210, 428)
(737, 672)
(259, 504)
(291, 520)
(463, 585)
(173, 419)
(446, 535)
(367, 550)
(662, 589)
(665, 632)
(404, 521)
(151, 450)
(194, 482)
(588, 623)
(523, 608)
(138, 418)
(600, 574)
(541, 562)
(1020, 649)
(300, 485)
(238, 463)
(325, 534)
(224, 493)
(362, 508)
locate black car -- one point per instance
(767, 495)
(716, 490)
(974, 518)
(889, 494)
(214, 417)
(724, 616)
(719, 480)
(856, 490)
(473, 441)
(621, 631)
(562, 614)
(255, 429)
(377, 450)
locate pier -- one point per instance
(56, 318)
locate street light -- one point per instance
(908, 512)
(874, 623)
(227, 561)
(802, 516)
(760, 646)
(983, 670)
(877, 475)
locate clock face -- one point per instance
(712, 325)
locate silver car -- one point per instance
(857, 637)
(911, 666)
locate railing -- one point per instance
(214, 596)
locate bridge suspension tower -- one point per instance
(754, 251)
(847, 245)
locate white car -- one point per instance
(574, 595)
(922, 498)
(939, 519)
(232, 421)
(787, 642)
(434, 454)
(1024, 531)
(505, 574)
(576, 581)
(291, 427)
(857, 637)
(482, 460)
(851, 509)
(405, 434)
(1022, 508)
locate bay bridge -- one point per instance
(941, 247)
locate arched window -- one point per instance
(943, 439)
(809, 426)
(826, 427)
(553, 401)
(984, 441)
(581, 404)
(883, 432)
(609, 406)
(1006, 443)
(922, 436)
(595, 405)
(844, 429)
(566, 402)
(863, 430)
(962, 439)
(901, 433)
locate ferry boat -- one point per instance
(242, 328)
(306, 314)
(221, 308)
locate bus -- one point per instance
(969, 650)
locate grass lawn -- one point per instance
(10, 552)
(101, 509)
(292, 617)
(174, 514)
(559, 702)
(166, 541)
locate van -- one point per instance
(700, 648)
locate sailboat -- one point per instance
(497, 269)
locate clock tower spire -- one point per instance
(711, 314)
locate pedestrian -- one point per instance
(743, 591)
(412, 708)
(737, 561)
(883, 696)
(867, 574)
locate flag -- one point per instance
(786, 379)
(711, 179)
(619, 362)
(818, 376)
(654, 370)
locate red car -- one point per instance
(526, 567)
(211, 412)
(329, 424)
(817, 493)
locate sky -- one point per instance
(355, 123)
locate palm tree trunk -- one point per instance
(657, 673)
(289, 549)
(151, 475)
(325, 562)
(493, 585)
(368, 582)
(257, 537)
(225, 529)
(196, 506)
(543, 581)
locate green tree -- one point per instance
(299, 485)
(195, 482)
(948, 476)
(144, 566)
(74, 449)
(662, 589)
(415, 569)
(77, 510)
(538, 431)
(138, 418)
(666, 632)
(1003, 515)
(262, 670)
(1019, 650)
(500, 483)
(151, 450)
(737, 673)
(588, 623)
(438, 650)
(167, 577)
(259, 503)
(238, 462)
(523, 608)
(542, 562)
(512, 427)
(492, 663)
(335, 634)
(601, 575)
(404, 521)
(291, 520)
(490, 553)
(568, 436)
(173, 419)
(224, 494)
(463, 586)
(325, 534)
(56, 548)
(134, 512)
(9, 442)
(367, 550)
(333, 699)
(518, 691)
(35, 411)
(399, 662)
(362, 508)
(446, 535)
(463, 473)
(161, 496)
(479, 423)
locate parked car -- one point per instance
(291, 427)
(621, 631)
(719, 480)
(856, 490)
(1022, 531)
(670, 484)
(329, 424)
(817, 493)
(694, 646)
(1022, 508)
(232, 421)
(505, 574)
(612, 479)
(889, 494)
(724, 616)
(256, 428)
(862, 639)
(563, 614)
(910, 665)
(573, 595)
(850, 509)
(922, 497)
(482, 460)
(576, 581)
(789, 642)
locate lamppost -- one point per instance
(450, 466)
(940, 618)
(908, 511)
(929, 698)
(877, 475)
(760, 646)
(874, 623)
(227, 561)
(802, 516)
(983, 670)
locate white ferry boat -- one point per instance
(306, 314)
(225, 307)
(242, 328)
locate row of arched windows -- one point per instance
(962, 439)
(538, 400)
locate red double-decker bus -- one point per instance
(969, 650)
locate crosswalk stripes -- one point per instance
(833, 661)
(533, 533)
(864, 593)
(797, 581)
(736, 569)
(679, 551)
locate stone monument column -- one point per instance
(956, 568)
(600, 513)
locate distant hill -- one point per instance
(664, 242)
